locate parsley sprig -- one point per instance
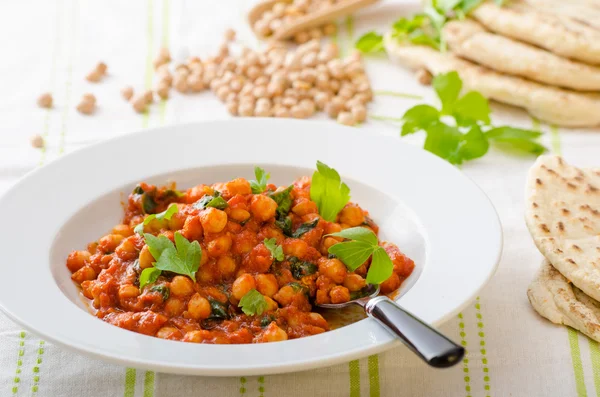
(276, 250)
(260, 184)
(354, 253)
(253, 303)
(183, 257)
(166, 214)
(461, 131)
(328, 191)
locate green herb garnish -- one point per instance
(182, 257)
(461, 130)
(166, 214)
(215, 200)
(266, 320)
(300, 268)
(370, 43)
(328, 191)
(276, 250)
(356, 252)
(283, 200)
(285, 224)
(147, 199)
(163, 290)
(218, 310)
(260, 184)
(253, 303)
(305, 227)
(148, 276)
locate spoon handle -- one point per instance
(426, 342)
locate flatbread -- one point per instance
(469, 40)
(563, 216)
(554, 298)
(563, 36)
(550, 104)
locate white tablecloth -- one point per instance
(51, 45)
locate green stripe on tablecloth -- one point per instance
(463, 342)
(577, 365)
(149, 384)
(129, 382)
(483, 351)
(36, 368)
(595, 358)
(261, 386)
(374, 387)
(20, 354)
(242, 386)
(354, 368)
(52, 80)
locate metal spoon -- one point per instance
(426, 342)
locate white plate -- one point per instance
(427, 207)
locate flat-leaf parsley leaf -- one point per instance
(182, 257)
(253, 303)
(328, 191)
(166, 214)
(276, 250)
(260, 184)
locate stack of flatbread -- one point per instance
(563, 216)
(529, 53)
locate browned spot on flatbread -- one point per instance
(571, 185)
(591, 189)
(558, 251)
(536, 217)
(544, 228)
(534, 205)
(560, 160)
(565, 211)
(561, 226)
(588, 228)
(551, 171)
(571, 261)
(538, 181)
(576, 247)
(579, 178)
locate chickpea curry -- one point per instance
(236, 262)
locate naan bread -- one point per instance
(563, 36)
(549, 104)
(563, 216)
(469, 40)
(554, 298)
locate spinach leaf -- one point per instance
(300, 269)
(283, 200)
(215, 201)
(218, 310)
(163, 290)
(305, 227)
(266, 320)
(285, 224)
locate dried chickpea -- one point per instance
(315, 33)
(195, 83)
(346, 118)
(423, 76)
(329, 29)
(230, 35)
(232, 107)
(94, 76)
(359, 112)
(281, 112)
(163, 90)
(101, 68)
(37, 141)
(301, 37)
(127, 92)
(45, 100)
(139, 103)
(149, 96)
(246, 109)
(86, 106)
(334, 107)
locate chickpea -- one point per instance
(192, 228)
(94, 76)
(285, 295)
(195, 83)
(333, 268)
(37, 141)
(339, 294)
(180, 83)
(289, 101)
(346, 118)
(266, 284)
(223, 92)
(45, 100)
(226, 265)
(352, 215)
(163, 90)
(253, 72)
(423, 76)
(271, 304)
(181, 286)
(262, 208)
(101, 68)
(246, 109)
(354, 282)
(139, 103)
(295, 247)
(197, 336)
(219, 246)
(315, 33)
(84, 274)
(174, 307)
(77, 259)
(232, 107)
(305, 207)
(128, 291)
(273, 334)
(327, 242)
(213, 220)
(281, 111)
(168, 333)
(359, 112)
(109, 242)
(127, 92)
(301, 37)
(329, 29)
(308, 105)
(198, 307)
(126, 250)
(146, 259)
(242, 285)
(86, 106)
(334, 107)
(230, 35)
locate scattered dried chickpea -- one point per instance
(127, 92)
(87, 105)
(37, 141)
(230, 35)
(45, 100)
(423, 76)
(346, 118)
(139, 103)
